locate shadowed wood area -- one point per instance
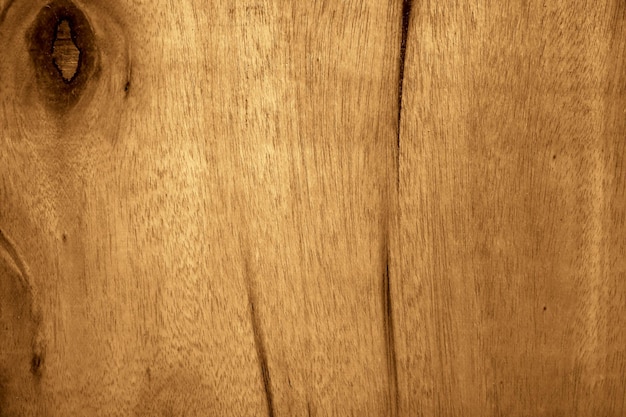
(324, 208)
(511, 237)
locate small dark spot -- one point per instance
(545, 308)
(127, 86)
(553, 156)
(148, 373)
(64, 237)
(35, 365)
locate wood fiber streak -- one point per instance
(205, 223)
(511, 233)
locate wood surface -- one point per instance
(324, 208)
(510, 245)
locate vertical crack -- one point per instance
(386, 295)
(406, 18)
(259, 345)
(390, 343)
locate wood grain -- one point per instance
(206, 221)
(355, 208)
(510, 236)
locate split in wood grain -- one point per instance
(406, 19)
(390, 343)
(387, 297)
(259, 344)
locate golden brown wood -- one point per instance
(510, 244)
(203, 218)
(316, 208)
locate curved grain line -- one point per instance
(3, 13)
(10, 249)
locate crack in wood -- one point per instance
(388, 323)
(259, 345)
(390, 343)
(406, 18)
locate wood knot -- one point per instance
(65, 56)
(63, 52)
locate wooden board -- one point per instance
(511, 237)
(317, 208)
(201, 217)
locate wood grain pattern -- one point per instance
(206, 222)
(511, 232)
(326, 208)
